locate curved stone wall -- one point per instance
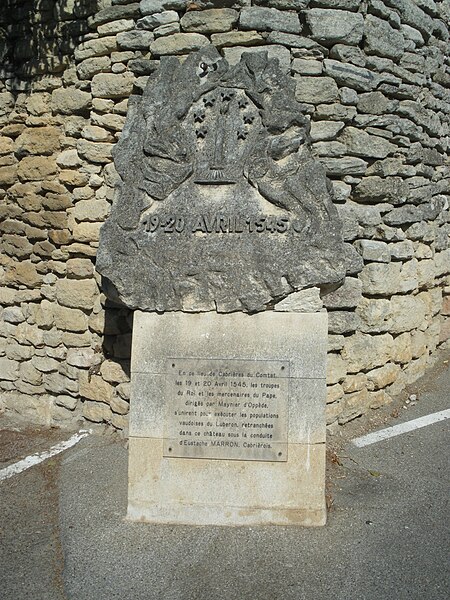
(375, 78)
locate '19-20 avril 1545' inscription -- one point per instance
(221, 223)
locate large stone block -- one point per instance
(335, 26)
(360, 143)
(76, 293)
(298, 341)
(209, 21)
(363, 352)
(381, 39)
(111, 85)
(316, 90)
(135, 40)
(190, 267)
(389, 279)
(68, 101)
(36, 168)
(38, 140)
(9, 369)
(234, 54)
(268, 19)
(351, 76)
(178, 43)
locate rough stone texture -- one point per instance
(306, 222)
(269, 19)
(383, 87)
(209, 21)
(178, 43)
(381, 39)
(335, 26)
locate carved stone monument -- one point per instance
(222, 209)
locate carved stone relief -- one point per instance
(221, 205)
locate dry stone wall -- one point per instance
(375, 78)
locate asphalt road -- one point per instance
(387, 537)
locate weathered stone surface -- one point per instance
(413, 16)
(350, 75)
(380, 38)
(374, 251)
(149, 7)
(178, 43)
(335, 26)
(135, 40)
(344, 166)
(347, 295)
(377, 189)
(360, 143)
(236, 38)
(112, 13)
(307, 301)
(8, 175)
(38, 140)
(316, 89)
(96, 152)
(117, 26)
(68, 402)
(340, 322)
(348, 54)
(389, 279)
(336, 112)
(70, 101)
(150, 22)
(305, 66)
(210, 271)
(375, 103)
(9, 369)
(268, 19)
(115, 372)
(325, 130)
(70, 319)
(209, 21)
(353, 406)
(98, 412)
(36, 168)
(6, 145)
(234, 55)
(334, 392)
(13, 314)
(82, 357)
(109, 85)
(412, 214)
(91, 66)
(363, 352)
(336, 368)
(354, 383)
(76, 293)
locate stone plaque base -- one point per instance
(227, 422)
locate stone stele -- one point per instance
(227, 423)
(221, 206)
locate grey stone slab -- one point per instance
(221, 204)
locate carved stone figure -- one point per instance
(221, 205)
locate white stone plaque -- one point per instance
(226, 409)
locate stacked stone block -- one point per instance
(373, 77)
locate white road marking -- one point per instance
(35, 459)
(384, 434)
